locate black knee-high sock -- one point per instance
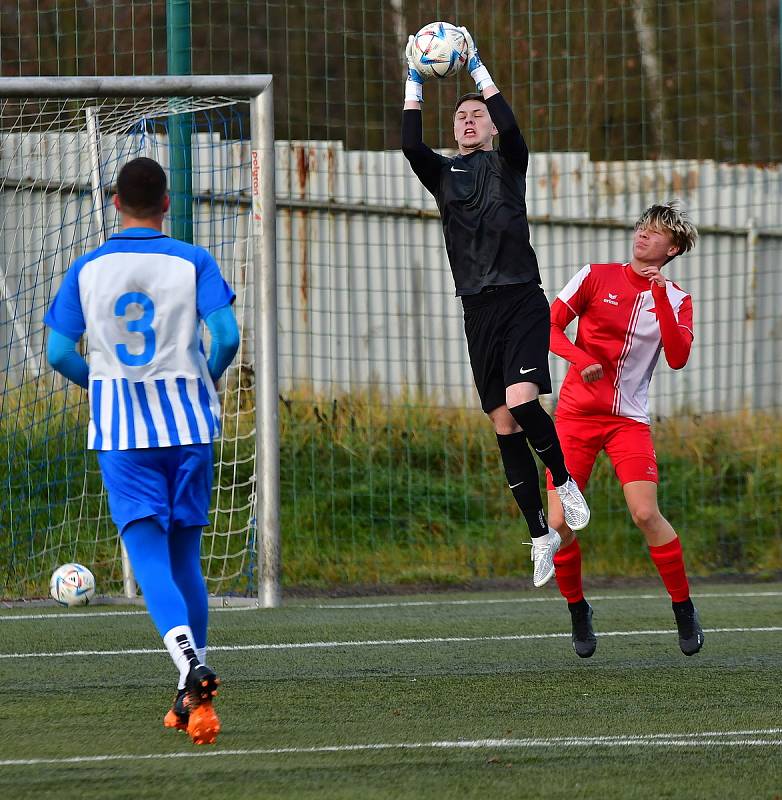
(542, 435)
(522, 474)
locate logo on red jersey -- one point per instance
(611, 299)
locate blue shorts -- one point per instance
(172, 484)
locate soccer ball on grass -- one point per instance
(439, 50)
(72, 585)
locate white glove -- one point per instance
(475, 66)
(414, 85)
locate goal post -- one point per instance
(48, 126)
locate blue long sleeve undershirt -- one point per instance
(225, 340)
(63, 357)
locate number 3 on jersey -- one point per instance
(142, 325)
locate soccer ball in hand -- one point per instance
(439, 50)
(72, 585)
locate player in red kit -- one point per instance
(627, 313)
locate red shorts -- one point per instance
(627, 442)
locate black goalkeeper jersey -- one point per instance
(481, 197)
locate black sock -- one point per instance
(542, 435)
(522, 474)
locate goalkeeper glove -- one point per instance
(474, 64)
(414, 85)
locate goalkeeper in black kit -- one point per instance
(481, 197)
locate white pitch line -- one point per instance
(557, 599)
(374, 643)
(64, 615)
(758, 738)
(75, 616)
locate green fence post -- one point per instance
(180, 125)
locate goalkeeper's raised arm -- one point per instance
(424, 161)
(512, 146)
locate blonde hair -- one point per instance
(672, 218)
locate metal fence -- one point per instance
(622, 104)
(365, 294)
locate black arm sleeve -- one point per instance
(424, 161)
(512, 148)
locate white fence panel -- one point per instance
(365, 291)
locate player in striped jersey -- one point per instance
(140, 298)
(626, 314)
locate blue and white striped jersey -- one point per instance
(140, 298)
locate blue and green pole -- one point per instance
(180, 126)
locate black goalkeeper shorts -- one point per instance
(508, 330)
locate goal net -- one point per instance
(59, 158)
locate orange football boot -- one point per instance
(178, 715)
(203, 724)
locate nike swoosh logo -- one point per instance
(514, 485)
(453, 169)
(523, 371)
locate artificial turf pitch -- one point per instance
(465, 713)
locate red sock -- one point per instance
(567, 565)
(670, 564)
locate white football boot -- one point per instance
(544, 548)
(573, 505)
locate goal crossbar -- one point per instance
(132, 86)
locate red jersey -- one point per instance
(624, 322)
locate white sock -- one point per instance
(179, 643)
(201, 654)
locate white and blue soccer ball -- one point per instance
(72, 585)
(439, 50)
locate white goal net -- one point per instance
(59, 158)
